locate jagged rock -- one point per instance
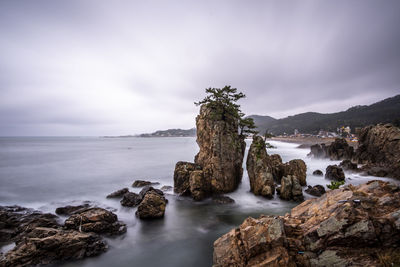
(318, 151)
(291, 189)
(118, 193)
(152, 206)
(316, 190)
(337, 150)
(318, 172)
(147, 189)
(141, 183)
(350, 226)
(260, 175)
(220, 199)
(182, 177)
(16, 221)
(348, 165)
(275, 165)
(379, 147)
(48, 245)
(68, 210)
(221, 149)
(199, 186)
(296, 167)
(130, 199)
(96, 220)
(166, 188)
(334, 172)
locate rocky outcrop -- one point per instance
(334, 172)
(96, 220)
(48, 245)
(118, 193)
(221, 149)
(130, 199)
(260, 175)
(318, 173)
(316, 190)
(182, 177)
(141, 183)
(296, 167)
(337, 150)
(350, 226)
(152, 206)
(291, 189)
(200, 187)
(348, 165)
(379, 147)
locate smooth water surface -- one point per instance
(45, 173)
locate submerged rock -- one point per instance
(220, 199)
(152, 206)
(316, 190)
(334, 172)
(260, 175)
(96, 220)
(48, 245)
(166, 188)
(291, 189)
(68, 210)
(141, 183)
(118, 193)
(318, 172)
(350, 226)
(130, 199)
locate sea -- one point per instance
(44, 173)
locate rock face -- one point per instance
(379, 147)
(221, 150)
(316, 190)
(296, 167)
(118, 193)
(337, 150)
(318, 172)
(334, 172)
(291, 189)
(350, 226)
(130, 199)
(182, 177)
(96, 220)
(152, 206)
(260, 175)
(48, 245)
(200, 187)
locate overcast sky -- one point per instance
(124, 67)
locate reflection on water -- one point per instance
(45, 173)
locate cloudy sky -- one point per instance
(97, 67)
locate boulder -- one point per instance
(152, 206)
(316, 190)
(296, 167)
(318, 172)
(130, 199)
(334, 172)
(348, 165)
(182, 177)
(147, 189)
(350, 226)
(141, 183)
(48, 245)
(221, 149)
(166, 188)
(340, 150)
(379, 147)
(221, 199)
(260, 175)
(291, 189)
(118, 193)
(96, 220)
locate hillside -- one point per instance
(171, 133)
(387, 110)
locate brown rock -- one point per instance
(200, 187)
(296, 167)
(182, 177)
(334, 172)
(152, 206)
(291, 189)
(96, 220)
(141, 183)
(130, 199)
(316, 190)
(118, 193)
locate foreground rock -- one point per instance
(351, 226)
(291, 189)
(260, 175)
(48, 245)
(118, 193)
(316, 190)
(152, 206)
(141, 183)
(96, 220)
(379, 148)
(334, 172)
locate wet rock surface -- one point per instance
(96, 220)
(152, 206)
(316, 190)
(130, 199)
(337, 150)
(350, 226)
(221, 199)
(166, 188)
(260, 175)
(334, 172)
(348, 165)
(291, 189)
(318, 172)
(141, 183)
(68, 210)
(118, 193)
(182, 177)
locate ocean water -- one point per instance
(48, 172)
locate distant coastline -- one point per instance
(162, 133)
